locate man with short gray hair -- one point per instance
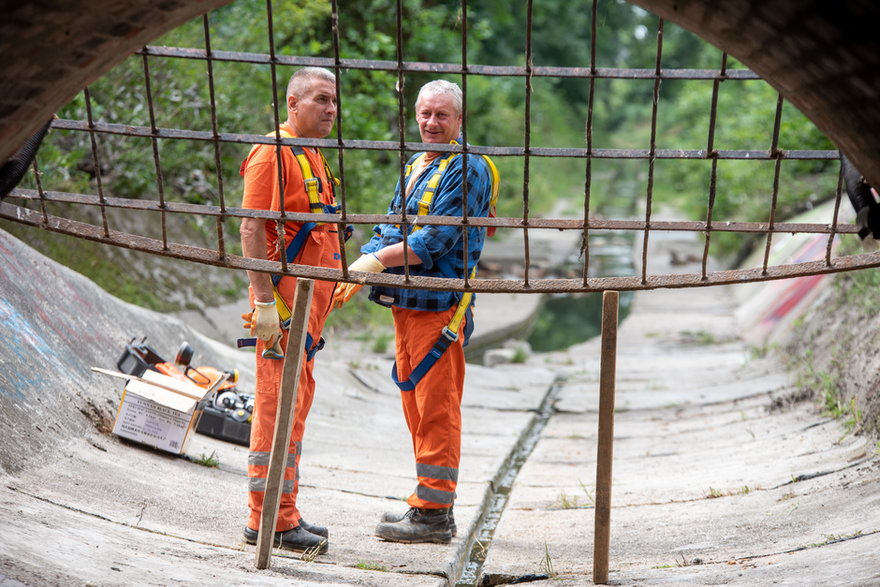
(307, 185)
(430, 366)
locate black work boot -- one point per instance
(298, 539)
(314, 528)
(393, 517)
(418, 525)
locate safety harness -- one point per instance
(314, 188)
(450, 332)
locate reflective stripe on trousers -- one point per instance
(261, 459)
(433, 409)
(318, 252)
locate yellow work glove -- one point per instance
(345, 291)
(265, 324)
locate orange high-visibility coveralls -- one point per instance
(433, 409)
(321, 249)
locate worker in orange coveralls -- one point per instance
(429, 365)
(311, 113)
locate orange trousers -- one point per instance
(433, 409)
(268, 383)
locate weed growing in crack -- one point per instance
(565, 502)
(591, 495)
(714, 493)
(310, 554)
(831, 538)
(547, 562)
(211, 460)
(787, 495)
(371, 566)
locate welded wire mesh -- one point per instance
(33, 203)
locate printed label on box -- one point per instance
(148, 422)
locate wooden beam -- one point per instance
(602, 526)
(293, 360)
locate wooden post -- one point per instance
(602, 529)
(293, 359)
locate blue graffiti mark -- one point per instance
(25, 343)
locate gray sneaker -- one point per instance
(418, 525)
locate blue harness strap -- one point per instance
(296, 246)
(447, 337)
(311, 347)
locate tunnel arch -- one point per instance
(823, 57)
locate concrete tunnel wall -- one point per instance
(822, 56)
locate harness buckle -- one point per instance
(450, 335)
(312, 184)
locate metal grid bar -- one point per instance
(42, 195)
(464, 142)
(713, 177)
(835, 229)
(96, 160)
(452, 68)
(401, 123)
(529, 71)
(154, 142)
(527, 145)
(412, 146)
(210, 257)
(774, 148)
(221, 243)
(273, 61)
(340, 152)
(501, 222)
(588, 131)
(655, 101)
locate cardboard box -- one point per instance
(160, 411)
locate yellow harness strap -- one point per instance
(425, 207)
(463, 305)
(433, 182)
(310, 180)
(313, 188)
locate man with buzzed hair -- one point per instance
(311, 112)
(425, 322)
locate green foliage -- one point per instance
(626, 36)
(858, 288)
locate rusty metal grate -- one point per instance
(32, 208)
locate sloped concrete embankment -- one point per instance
(80, 506)
(55, 324)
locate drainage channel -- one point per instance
(499, 491)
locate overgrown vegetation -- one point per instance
(496, 115)
(834, 351)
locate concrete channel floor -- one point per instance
(718, 478)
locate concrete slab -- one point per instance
(717, 477)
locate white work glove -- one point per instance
(265, 323)
(369, 263)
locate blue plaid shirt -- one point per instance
(440, 248)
